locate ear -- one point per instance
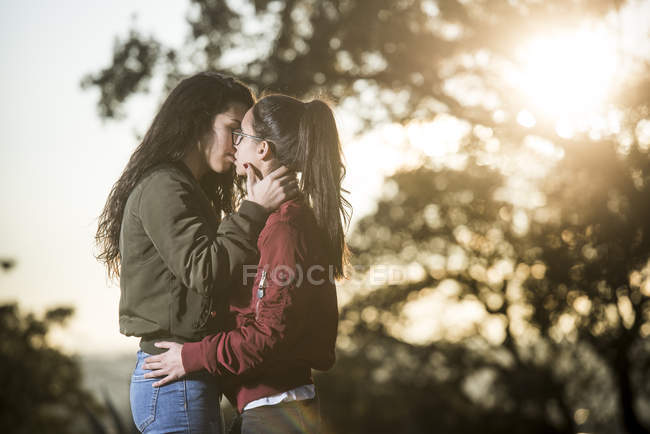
(264, 150)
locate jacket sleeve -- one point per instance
(278, 320)
(170, 215)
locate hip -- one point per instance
(191, 404)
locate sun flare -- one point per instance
(568, 75)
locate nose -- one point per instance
(230, 147)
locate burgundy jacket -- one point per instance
(288, 325)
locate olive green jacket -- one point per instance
(176, 264)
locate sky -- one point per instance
(58, 160)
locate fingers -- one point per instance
(164, 344)
(288, 178)
(152, 359)
(160, 372)
(277, 173)
(251, 177)
(290, 186)
(152, 365)
(168, 379)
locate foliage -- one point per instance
(561, 340)
(42, 386)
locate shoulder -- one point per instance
(165, 176)
(287, 231)
(164, 187)
(280, 243)
(291, 213)
(278, 232)
(288, 220)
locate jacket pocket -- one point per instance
(205, 312)
(189, 312)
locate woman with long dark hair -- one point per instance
(290, 322)
(160, 233)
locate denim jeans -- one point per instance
(286, 417)
(188, 405)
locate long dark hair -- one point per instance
(305, 139)
(186, 117)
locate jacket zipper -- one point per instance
(260, 293)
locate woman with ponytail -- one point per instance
(286, 322)
(160, 233)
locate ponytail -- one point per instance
(320, 156)
(306, 140)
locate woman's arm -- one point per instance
(170, 213)
(278, 322)
(196, 254)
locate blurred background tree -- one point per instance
(501, 284)
(42, 386)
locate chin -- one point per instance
(222, 167)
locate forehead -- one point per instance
(247, 122)
(234, 113)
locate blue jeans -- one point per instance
(188, 405)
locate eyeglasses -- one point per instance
(238, 136)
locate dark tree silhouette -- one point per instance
(42, 386)
(573, 305)
(563, 345)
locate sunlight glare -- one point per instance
(441, 137)
(569, 75)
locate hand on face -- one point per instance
(254, 160)
(270, 192)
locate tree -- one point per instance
(398, 50)
(563, 309)
(561, 287)
(42, 386)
